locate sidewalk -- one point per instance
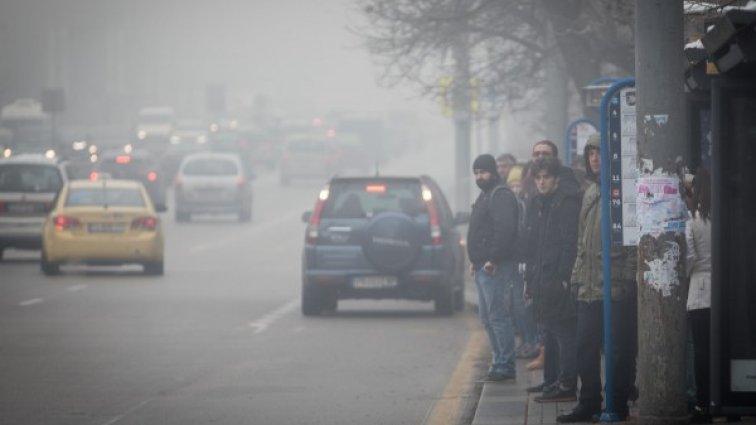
(507, 403)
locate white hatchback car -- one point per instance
(213, 183)
(28, 187)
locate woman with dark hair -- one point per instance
(698, 238)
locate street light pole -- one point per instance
(662, 291)
(462, 123)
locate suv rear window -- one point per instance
(95, 196)
(37, 178)
(210, 167)
(365, 199)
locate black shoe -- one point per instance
(500, 377)
(539, 388)
(700, 416)
(581, 413)
(557, 393)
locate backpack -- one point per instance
(521, 219)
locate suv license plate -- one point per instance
(374, 282)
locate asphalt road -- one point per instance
(220, 338)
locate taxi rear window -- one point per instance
(36, 178)
(365, 199)
(101, 196)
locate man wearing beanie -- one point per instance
(491, 246)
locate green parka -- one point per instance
(587, 273)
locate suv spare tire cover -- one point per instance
(392, 242)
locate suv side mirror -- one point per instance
(306, 216)
(462, 217)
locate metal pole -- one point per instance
(567, 155)
(462, 125)
(609, 414)
(661, 128)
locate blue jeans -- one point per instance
(494, 308)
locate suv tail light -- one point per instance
(435, 225)
(312, 227)
(63, 223)
(148, 223)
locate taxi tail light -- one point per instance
(144, 223)
(435, 225)
(314, 224)
(63, 223)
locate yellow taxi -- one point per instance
(102, 222)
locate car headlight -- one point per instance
(50, 154)
(7, 152)
(141, 134)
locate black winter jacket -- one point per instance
(551, 250)
(492, 232)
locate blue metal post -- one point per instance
(568, 139)
(609, 414)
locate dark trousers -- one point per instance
(550, 358)
(590, 338)
(700, 328)
(560, 363)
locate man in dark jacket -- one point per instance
(551, 249)
(490, 247)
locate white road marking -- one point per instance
(76, 288)
(244, 235)
(262, 324)
(31, 302)
(128, 411)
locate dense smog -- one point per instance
(332, 212)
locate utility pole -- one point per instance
(462, 122)
(662, 291)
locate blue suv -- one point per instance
(382, 237)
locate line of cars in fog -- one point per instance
(112, 217)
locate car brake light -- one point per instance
(63, 222)
(435, 226)
(93, 176)
(314, 224)
(177, 183)
(241, 182)
(152, 176)
(144, 223)
(123, 159)
(375, 188)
